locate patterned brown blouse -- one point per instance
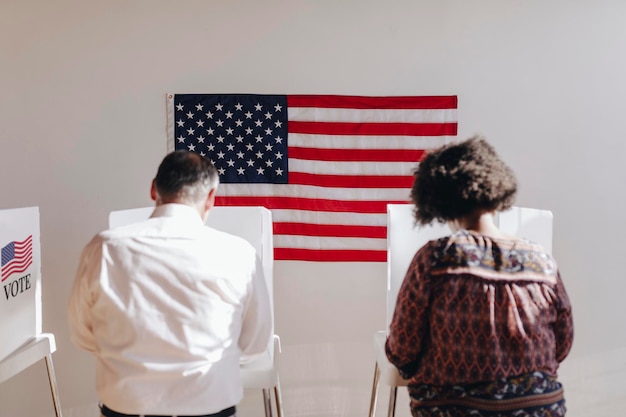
(474, 308)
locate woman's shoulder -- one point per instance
(507, 254)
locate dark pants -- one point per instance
(107, 412)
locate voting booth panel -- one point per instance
(253, 224)
(529, 223)
(20, 303)
(23, 343)
(404, 239)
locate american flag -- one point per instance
(325, 165)
(17, 257)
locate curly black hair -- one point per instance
(458, 179)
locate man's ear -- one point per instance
(210, 200)
(208, 204)
(153, 192)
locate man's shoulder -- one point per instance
(225, 239)
(169, 228)
(143, 227)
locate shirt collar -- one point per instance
(177, 210)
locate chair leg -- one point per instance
(267, 401)
(53, 385)
(279, 398)
(374, 391)
(393, 393)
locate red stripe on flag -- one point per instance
(24, 242)
(372, 129)
(297, 203)
(351, 181)
(22, 249)
(360, 102)
(295, 254)
(330, 230)
(350, 155)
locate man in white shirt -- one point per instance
(168, 305)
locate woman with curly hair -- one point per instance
(482, 319)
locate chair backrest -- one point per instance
(404, 239)
(251, 223)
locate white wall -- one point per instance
(82, 118)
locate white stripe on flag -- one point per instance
(309, 191)
(351, 167)
(324, 217)
(366, 142)
(330, 243)
(372, 115)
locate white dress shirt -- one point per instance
(168, 306)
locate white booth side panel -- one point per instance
(20, 299)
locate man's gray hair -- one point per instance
(185, 177)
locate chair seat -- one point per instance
(389, 374)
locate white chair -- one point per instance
(403, 241)
(255, 225)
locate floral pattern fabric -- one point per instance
(526, 386)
